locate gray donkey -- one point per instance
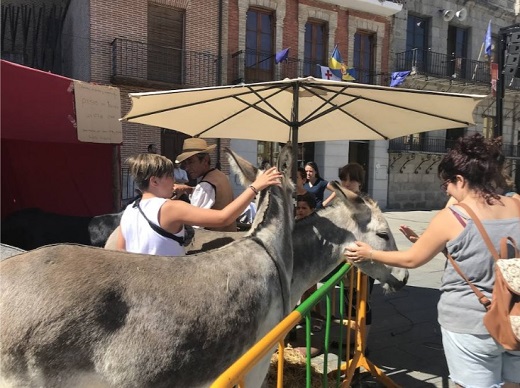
(320, 239)
(81, 316)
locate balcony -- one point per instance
(249, 66)
(376, 7)
(438, 146)
(442, 66)
(141, 64)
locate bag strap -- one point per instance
(503, 247)
(484, 300)
(481, 229)
(157, 228)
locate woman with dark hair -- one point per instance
(468, 173)
(315, 184)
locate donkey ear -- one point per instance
(285, 159)
(245, 171)
(359, 208)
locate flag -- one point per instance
(488, 40)
(398, 77)
(338, 68)
(326, 73)
(282, 55)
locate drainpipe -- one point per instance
(219, 63)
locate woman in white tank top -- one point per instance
(153, 175)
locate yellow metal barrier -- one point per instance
(234, 376)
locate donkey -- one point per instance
(83, 316)
(320, 238)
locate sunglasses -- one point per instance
(444, 185)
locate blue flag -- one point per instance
(398, 77)
(282, 55)
(488, 40)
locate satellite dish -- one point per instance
(462, 14)
(447, 14)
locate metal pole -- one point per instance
(499, 115)
(294, 129)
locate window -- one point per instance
(417, 43)
(452, 135)
(364, 57)
(457, 58)
(315, 51)
(165, 43)
(259, 56)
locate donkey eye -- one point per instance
(383, 235)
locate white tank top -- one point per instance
(140, 237)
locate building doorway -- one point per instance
(171, 143)
(358, 152)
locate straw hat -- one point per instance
(192, 146)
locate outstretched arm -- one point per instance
(176, 213)
(442, 228)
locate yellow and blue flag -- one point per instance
(338, 68)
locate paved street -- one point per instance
(405, 339)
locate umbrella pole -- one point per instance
(294, 130)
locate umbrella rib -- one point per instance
(248, 106)
(409, 109)
(199, 102)
(310, 118)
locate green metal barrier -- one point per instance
(235, 374)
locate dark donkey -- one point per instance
(82, 316)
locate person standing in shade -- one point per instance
(301, 179)
(315, 184)
(180, 175)
(213, 190)
(152, 149)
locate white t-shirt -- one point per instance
(203, 195)
(140, 237)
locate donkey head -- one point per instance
(367, 223)
(247, 173)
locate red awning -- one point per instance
(43, 165)
(36, 105)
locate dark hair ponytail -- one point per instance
(478, 160)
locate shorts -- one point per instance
(478, 361)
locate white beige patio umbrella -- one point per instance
(302, 110)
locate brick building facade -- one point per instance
(148, 45)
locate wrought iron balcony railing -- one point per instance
(257, 66)
(430, 63)
(438, 146)
(134, 61)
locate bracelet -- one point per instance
(255, 190)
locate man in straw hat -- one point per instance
(213, 190)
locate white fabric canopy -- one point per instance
(323, 110)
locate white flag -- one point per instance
(327, 74)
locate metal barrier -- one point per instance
(234, 376)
